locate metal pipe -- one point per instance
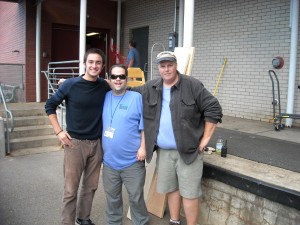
(38, 53)
(188, 23)
(175, 15)
(8, 114)
(118, 31)
(151, 77)
(293, 60)
(180, 23)
(82, 34)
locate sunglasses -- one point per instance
(121, 76)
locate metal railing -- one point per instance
(56, 71)
(9, 118)
(12, 79)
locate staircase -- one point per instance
(32, 130)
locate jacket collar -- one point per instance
(158, 84)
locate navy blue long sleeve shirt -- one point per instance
(84, 104)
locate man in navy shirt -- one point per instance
(84, 97)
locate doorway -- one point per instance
(65, 43)
(141, 37)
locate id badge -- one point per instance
(109, 132)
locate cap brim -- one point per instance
(166, 59)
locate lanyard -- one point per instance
(113, 113)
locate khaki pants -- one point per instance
(84, 159)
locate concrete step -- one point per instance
(29, 151)
(31, 121)
(33, 142)
(31, 131)
(25, 112)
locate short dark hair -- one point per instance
(94, 51)
(132, 43)
(119, 66)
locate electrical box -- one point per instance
(172, 41)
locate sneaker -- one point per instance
(172, 222)
(83, 222)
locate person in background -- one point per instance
(84, 97)
(133, 57)
(124, 150)
(180, 117)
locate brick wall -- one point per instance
(248, 33)
(12, 45)
(12, 30)
(160, 20)
(226, 205)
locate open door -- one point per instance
(141, 37)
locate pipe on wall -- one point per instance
(180, 23)
(118, 30)
(188, 23)
(82, 33)
(38, 52)
(293, 60)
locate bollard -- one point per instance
(2, 138)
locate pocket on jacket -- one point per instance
(188, 108)
(149, 109)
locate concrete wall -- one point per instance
(249, 33)
(226, 205)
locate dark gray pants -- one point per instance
(82, 159)
(133, 179)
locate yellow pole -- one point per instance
(220, 75)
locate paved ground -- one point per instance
(31, 192)
(31, 186)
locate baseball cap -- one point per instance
(166, 56)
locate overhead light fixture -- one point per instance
(92, 34)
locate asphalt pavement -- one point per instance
(31, 189)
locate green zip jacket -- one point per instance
(191, 105)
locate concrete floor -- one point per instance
(31, 192)
(31, 185)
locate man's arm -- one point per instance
(141, 154)
(209, 129)
(63, 136)
(130, 63)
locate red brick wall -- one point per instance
(18, 25)
(12, 29)
(30, 52)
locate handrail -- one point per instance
(151, 75)
(57, 70)
(7, 112)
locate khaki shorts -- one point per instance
(174, 174)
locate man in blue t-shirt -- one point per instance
(133, 57)
(124, 150)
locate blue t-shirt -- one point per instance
(122, 126)
(165, 137)
(133, 54)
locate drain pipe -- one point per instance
(118, 31)
(180, 23)
(188, 23)
(38, 52)
(293, 60)
(82, 33)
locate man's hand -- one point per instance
(64, 138)
(61, 81)
(141, 154)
